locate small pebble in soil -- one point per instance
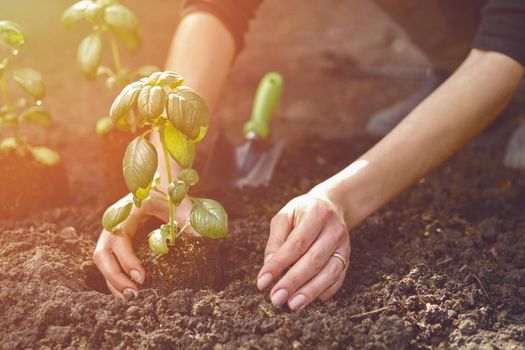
(467, 327)
(128, 295)
(68, 233)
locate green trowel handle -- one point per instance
(266, 99)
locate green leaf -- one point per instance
(90, 55)
(124, 24)
(31, 81)
(188, 112)
(177, 191)
(209, 218)
(189, 176)
(117, 213)
(8, 144)
(11, 35)
(158, 241)
(75, 13)
(45, 156)
(179, 146)
(151, 102)
(125, 101)
(170, 79)
(139, 166)
(104, 126)
(36, 115)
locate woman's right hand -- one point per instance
(114, 254)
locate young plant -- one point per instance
(110, 22)
(180, 117)
(14, 113)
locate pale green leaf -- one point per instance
(151, 102)
(179, 146)
(8, 144)
(124, 24)
(170, 79)
(177, 191)
(75, 13)
(11, 35)
(188, 112)
(209, 218)
(158, 242)
(139, 165)
(90, 55)
(117, 213)
(31, 81)
(189, 176)
(36, 115)
(45, 156)
(104, 126)
(125, 101)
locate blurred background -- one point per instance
(293, 37)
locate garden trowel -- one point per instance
(253, 163)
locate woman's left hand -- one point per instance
(310, 239)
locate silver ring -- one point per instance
(340, 257)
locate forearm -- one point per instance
(463, 106)
(202, 51)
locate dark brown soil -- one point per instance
(193, 262)
(28, 186)
(441, 267)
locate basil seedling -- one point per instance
(180, 117)
(14, 113)
(110, 22)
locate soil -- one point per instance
(443, 266)
(28, 186)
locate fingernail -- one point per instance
(279, 297)
(129, 294)
(297, 301)
(136, 276)
(267, 258)
(264, 280)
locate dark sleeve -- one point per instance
(235, 14)
(502, 28)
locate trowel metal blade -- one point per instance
(254, 166)
(251, 164)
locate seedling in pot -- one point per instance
(16, 112)
(111, 22)
(180, 117)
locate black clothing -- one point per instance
(502, 27)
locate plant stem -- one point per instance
(168, 173)
(115, 53)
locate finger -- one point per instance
(114, 291)
(332, 290)
(297, 243)
(111, 270)
(280, 227)
(123, 250)
(309, 265)
(330, 278)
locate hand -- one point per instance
(114, 255)
(304, 235)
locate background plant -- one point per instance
(15, 112)
(180, 117)
(111, 22)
